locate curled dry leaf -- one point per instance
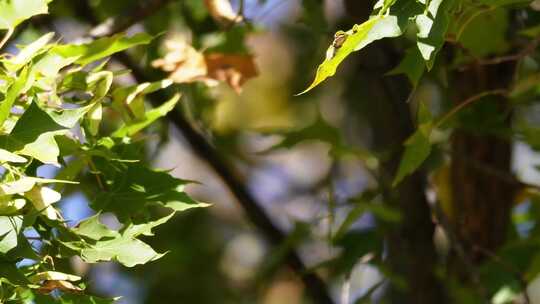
(187, 65)
(232, 69)
(65, 286)
(222, 12)
(184, 62)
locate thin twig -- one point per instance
(525, 51)
(96, 173)
(467, 102)
(120, 24)
(241, 10)
(496, 173)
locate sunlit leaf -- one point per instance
(42, 198)
(14, 90)
(6, 156)
(378, 27)
(129, 100)
(10, 227)
(13, 12)
(150, 116)
(433, 25)
(100, 48)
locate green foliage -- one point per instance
(392, 19)
(474, 71)
(378, 27)
(483, 40)
(39, 119)
(12, 13)
(417, 146)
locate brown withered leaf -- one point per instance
(49, 285)
(187, 65)
(222, 12)
(232, 69)
(184, 62)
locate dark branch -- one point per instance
(315, 286)
(119, 24)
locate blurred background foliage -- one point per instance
(313, 161)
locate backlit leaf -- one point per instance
(378, 27)
(100, 48)
(13, 12)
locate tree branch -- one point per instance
(467, 102)
(315, 286)
(121, 23)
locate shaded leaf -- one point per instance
(417, 149)
(472, 36)
(319, 130)
(412, 66)
(417, 146)
(135, 186)
(9, 272)
(28, 128)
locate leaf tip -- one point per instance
(315, 83)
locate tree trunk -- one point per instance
(482, 200)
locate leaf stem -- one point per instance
(6, 37)
(96, 174)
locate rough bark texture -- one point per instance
(411, 253)
(481, 201)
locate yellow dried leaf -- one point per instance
(65, 286)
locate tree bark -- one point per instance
(411, 254)
(481, 201)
